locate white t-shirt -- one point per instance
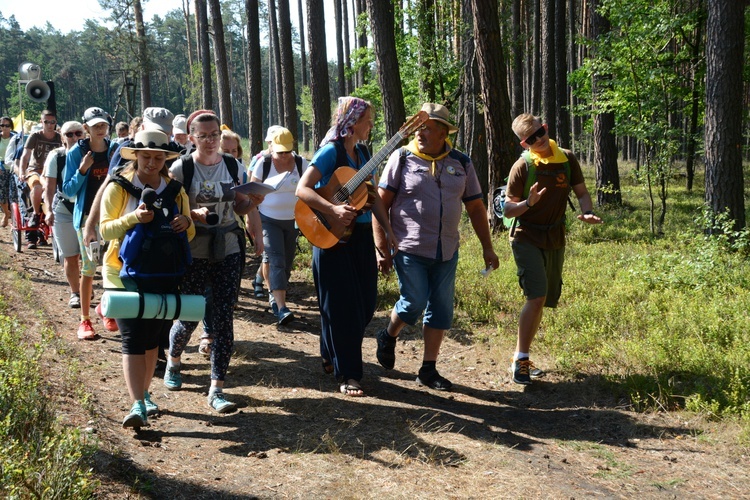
(279, 205)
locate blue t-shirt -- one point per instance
(325, 161)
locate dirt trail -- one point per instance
(296, 436)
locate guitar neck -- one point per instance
(376, 160)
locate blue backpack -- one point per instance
(154, 257)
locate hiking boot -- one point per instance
(519, 370)
(172, 377)
(75, 301)
(217, 402)
(386, 352)
(151, 407)
(86, 331)
(432, 379)
(109, 323)
(137, 417)
(285, 316)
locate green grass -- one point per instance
(665, 319)
(39, 457)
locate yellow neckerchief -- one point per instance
(557, 155)
(414, 149)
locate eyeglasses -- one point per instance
(6, 125)
(50, 122)
(530, 140)
(77, 133)
(208, 138)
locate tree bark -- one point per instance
(186, 15)
(201, 13)
(517, 77)
(561, 77)
(143, 60)
(319, 93)
(500, 139)
(303, 64)
(274, 33)
(254, 80)
(361, 41)
(605, 144)
(340, 73)
(548, 54)
(389, 75)
(723, 121)
(426, 31)
(222, 72)
(287, 70)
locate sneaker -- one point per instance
(434, 380)
(86, 331)
(75, 301)
(204, 347)
(151, 407)
(386, 352)
(137, 417)
(173, 377)
(285, 316)
(519, 370)
(274, 307)
(217, 402)
(109, 323)
(535, 372)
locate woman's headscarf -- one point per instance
(349, 110)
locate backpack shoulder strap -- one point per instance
(266, 167)
(298, 162)
(233, 167)
(531, 174)
(128, 186)
(188, 170)
(172, 191)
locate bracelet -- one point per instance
(527, 203)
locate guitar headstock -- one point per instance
(413, 123)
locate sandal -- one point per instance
(204, 347)
(258, 290)
(352, 389)
(327, 367)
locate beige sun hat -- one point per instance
(439, 113)
(272, 131)
(149, 140)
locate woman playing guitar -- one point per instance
(346, 274)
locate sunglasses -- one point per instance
(50, 122)
(5, 125)
(77, 133)
(530, 140)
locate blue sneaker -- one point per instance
(151, 407)
(285, 316)
(172, 377)
(137, 417)
(217, 402)
(274, 306)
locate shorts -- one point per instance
(65, 234)
(539, 271)
(33, 179)
(426, 285)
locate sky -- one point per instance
(68, 15)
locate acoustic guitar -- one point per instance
(348, 187)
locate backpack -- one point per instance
(267, 165)
(153, 256)
(188, 169)
(60, 170)
(498, 195)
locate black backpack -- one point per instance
(267, 159)
(153, 256)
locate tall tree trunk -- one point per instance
(696, 62)
(274, 33)
(143, 60)
(287, 70)
(389, 75)
(222, 72)
(561, 76)
(548, 54)
(426, 31)
(575, 125)
(723, 130)
(186, 15)
(340, 72)
(605, 144)
(347, 60)
(201, 13)
(319, 93)
(500, 138)
(536, 59)
(303, 64)
(517, 78)
(361, 41)
(254, 80)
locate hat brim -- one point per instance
(452, 129)
(176, 131)
(282, 148)
(97, 120)
(131, 153)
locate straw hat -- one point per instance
(149, 140)
(440, 113)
